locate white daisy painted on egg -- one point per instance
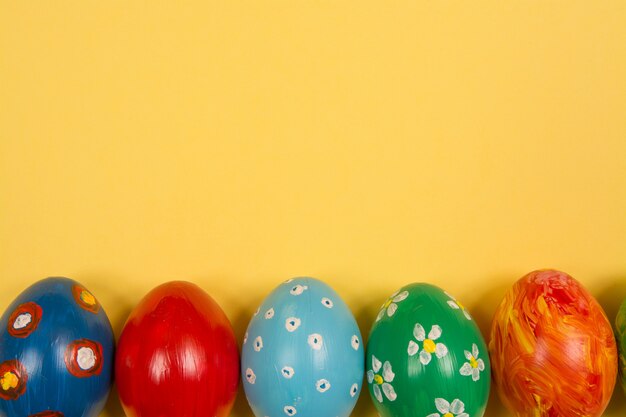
(269, 314)
(456, 305)
(457, 408)
(381, 382)
(391, 305)
(354, 389)
(474, 365)
(290, 410)
(429, 346)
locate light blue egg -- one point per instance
(302, 354)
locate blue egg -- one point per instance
(302, 354)
(56, 352)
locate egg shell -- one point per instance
(56, 352)
(302, 353)
(552, 348)
(426, 356)
(620, 325)
(177, 356)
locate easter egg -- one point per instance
(552, 348)
(56, 352)
(302, 354)
(177, 356)
(426, 356)
(620, 325)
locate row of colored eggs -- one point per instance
(552, 353)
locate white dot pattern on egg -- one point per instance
(316, 341)
(306, 353)
(86, 358)
(258, 344)
(287, 372)
(322, 385)
(354, 389)
(355, 342)
(292, 324)
(22, 321)
(250, 376)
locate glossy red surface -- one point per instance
(177, 356)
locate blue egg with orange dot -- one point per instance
(56, 352)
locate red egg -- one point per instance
(177, 356)
(552, 348)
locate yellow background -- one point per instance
(368, 143)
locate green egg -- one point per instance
(426, 357)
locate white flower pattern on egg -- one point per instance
(474, 365)
(327, 302)
(456, 305)
(429, 344)
(391, 305)
(383, 381)
(269, 314)
(457, 408)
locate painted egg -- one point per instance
(552, 348)
(56, 352)
(620, 325)
(302, 354)
(426, 357)
(177, 356)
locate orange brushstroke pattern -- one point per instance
(552, 349)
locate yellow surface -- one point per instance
(368, 143)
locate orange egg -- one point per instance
(552, 348)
